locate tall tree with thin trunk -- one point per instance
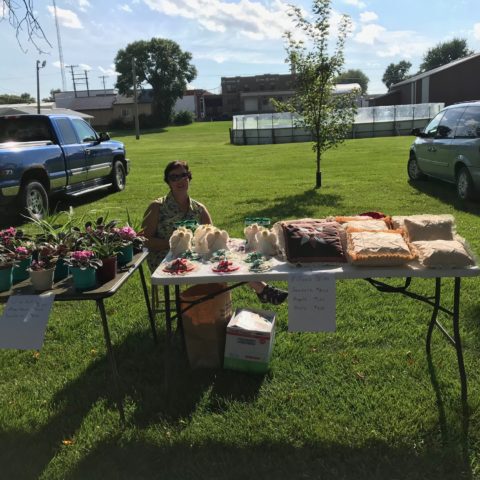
(444, 53)
(329, 116)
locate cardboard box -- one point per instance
(249, 343)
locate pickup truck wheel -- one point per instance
(34, 199)
(118, 177)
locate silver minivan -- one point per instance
(448, 148)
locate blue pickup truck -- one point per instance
(45, 155)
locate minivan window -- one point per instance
(431, 128)
(469, 124)
(448, 123)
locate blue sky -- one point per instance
(226, 37)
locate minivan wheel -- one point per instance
(465, 189)
(414, 172)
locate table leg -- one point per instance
(178, 309)
(111, 357)
(168, 313)
(436, 306)
(147, 301)
(458, 344)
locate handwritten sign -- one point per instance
(24, 321)
(311, 302)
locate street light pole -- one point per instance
(39, 66)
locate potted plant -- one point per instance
(130, 241)
(83, 267)
(7, 262)
(23, 255)
(42, 270)
(61, 234)
(106, 246)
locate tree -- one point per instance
(161, 64)
(51, 98)
(354, 76)
(327, 115)
(444, 53)
(22, 18)
(396, 72)
(11, 99)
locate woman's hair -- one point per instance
(172, 166)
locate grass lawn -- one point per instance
(362, 403)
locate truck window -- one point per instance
(66, 131)
(25, 129)
(84, 131)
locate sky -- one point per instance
(225, 37)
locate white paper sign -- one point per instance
(24, 321)
(311, 302)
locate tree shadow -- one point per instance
(446, 193)
(307, 204)
(141, 366)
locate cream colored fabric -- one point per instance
(442, 253)
(378, 248)
(366, 224)
(426, 227)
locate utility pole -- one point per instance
(71, 67)
(86, 81)
(103, 77)
(137, 127)
(39, 66)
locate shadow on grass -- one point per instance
(141, 365)
(446, 193)
(307, 204)
(215, 460)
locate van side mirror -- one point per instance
(417, 132)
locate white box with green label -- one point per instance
(249, 341)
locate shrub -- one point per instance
(184, 117)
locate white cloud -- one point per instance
(125, 8)
(366, 17)
(369, 33)
(83, 5)
(67, 18)
(110, 71)
(355, 3)
(56, 64)
(238, 56)
(84, 66)
(476, 31)
(248, 18)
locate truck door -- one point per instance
(97, 156)
(75, 164)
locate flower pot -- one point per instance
(42, 279)
(6, 278)
(61, 270)
(20, 271)
(108, 270)
(125, 255)
(84, 279)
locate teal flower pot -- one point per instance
(20, 271)
(84, 279)
(125, 255)
(6, 278)
(61, 270)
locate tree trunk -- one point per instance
(319, 173)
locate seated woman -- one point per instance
(162, 214)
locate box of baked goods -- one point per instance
(249, 340)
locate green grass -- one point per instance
(361, 403)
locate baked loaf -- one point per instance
(312, 240)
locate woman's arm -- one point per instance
(149, 225)
(205, 217)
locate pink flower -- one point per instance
(21, 251)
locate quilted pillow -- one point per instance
(378, 248)
(427, 227)
(443, 253)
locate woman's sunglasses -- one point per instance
(173, 177)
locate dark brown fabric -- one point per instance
(313, 241)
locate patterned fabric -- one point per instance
(170, 213)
